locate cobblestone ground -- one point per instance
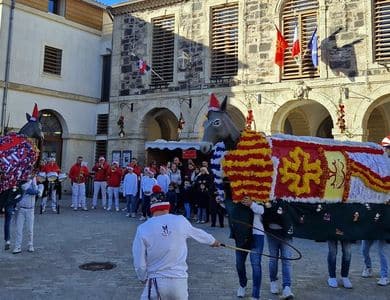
(65, 241)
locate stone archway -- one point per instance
(53, 131)
(378, 123)
(160, 123)
(303, 117)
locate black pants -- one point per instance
(146, 206)
(216, 209)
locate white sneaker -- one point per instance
(241, 292)
(287, 294)
(133, 215)
(17, 250)
(93, 207)
(30, 248)
(346, 282)
(116, 209)
(127, 215)
(142, 218)
(332, 282)
(7, 245)
(274, 287)
(104, 207)
(108, 209)
(367, 272)
(54, 209)
(383, 281)
(75, 209)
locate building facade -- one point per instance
(228, 47)
(57, 53)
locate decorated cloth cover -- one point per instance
(330, 189)
(17, 159)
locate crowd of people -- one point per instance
(176, 195)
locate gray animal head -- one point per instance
(218, 127)
(33, 127)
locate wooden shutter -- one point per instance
(163, 49)
(102, 124)
(100, 149)
(382, 30)
(52, 60)
(304, 13)
(224, 41)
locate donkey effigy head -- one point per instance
(218, 127)
(33, 127)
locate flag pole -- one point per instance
(151, 69)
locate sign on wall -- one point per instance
(189, 154)
(126, 157)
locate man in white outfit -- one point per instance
(26, 215)
(160, 253)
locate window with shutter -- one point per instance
(382, 30)
(52, 60)
(100, 149)
(163, 46)
(304, 13)
(224, 41)
(102, 124)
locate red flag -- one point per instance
(281, 46)
(296, 47)
(143, 66)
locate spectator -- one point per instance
(114, 178)
(195, 174)
(153, 167)
(171, 197)
(25, 214)
(367, 271)
(163, 179)
(175, 177)
(187, 195)
(147, 183)
(345, 263)
(78, 175)
(136, 168)
(177, 162)
(160, 257)
(203, 199)
(130, 188)
(101, 169)
(216, 210)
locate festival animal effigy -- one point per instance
(18, 155)
(325, 189)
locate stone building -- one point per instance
(55, 53)
(227, 47)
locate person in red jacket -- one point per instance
(78, 175)
(101, 170)
(113, 182)
(52, 171)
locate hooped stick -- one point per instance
(263, 254)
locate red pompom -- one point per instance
(156, 189)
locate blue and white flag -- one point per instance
(313, 46)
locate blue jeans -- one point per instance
(255, 258)
(131, 203)
(345, 259)
(279, 249)
(7, 222)
(187, 208)
(366, 245)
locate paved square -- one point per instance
(65, 241)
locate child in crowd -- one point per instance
(25, 214)
(187, 197)
(163, 179)
(203, 201)
(171, 197)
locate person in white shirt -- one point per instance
(25, 214)
(130, 188)
(160, 253)
(255, 256)
(163, 179)
(147, 183)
